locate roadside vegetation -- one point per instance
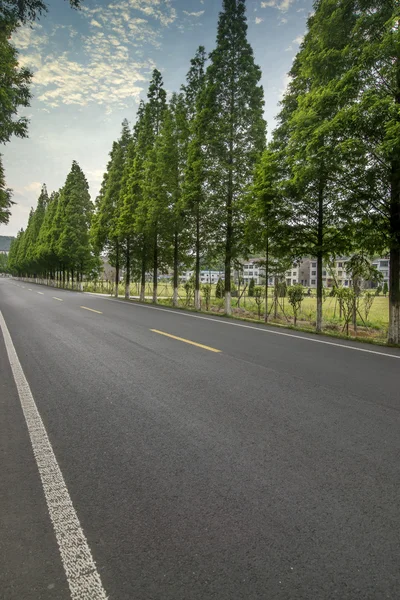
(196, 183)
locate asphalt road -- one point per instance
(267, 470)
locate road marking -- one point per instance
(83, 579)
(41, 293)
(59, 299)
(92, 310)
(174, 337)
(29, 289)
(260, 329)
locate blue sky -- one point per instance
(92, 66)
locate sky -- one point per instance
(92, 66)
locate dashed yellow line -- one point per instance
(174, 337)
(92, 310)
(41, 293)
(59, 299)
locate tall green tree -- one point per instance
(235, 128)
(155, 113)
(266, 231)
(195, 194)
(369, 122)
(132, 220)
(307, 144)
(104, 230)
(76, 209)
(46, 253)
(32, 247)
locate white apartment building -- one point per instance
(383, 266)
(251, 269)
(205, 276)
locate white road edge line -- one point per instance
(221, 322)
(82, 576)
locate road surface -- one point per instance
(251, 463)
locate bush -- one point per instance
(252, 285)
(295, 296)
(220, 290)
(385, 288)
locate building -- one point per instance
(383, 266)
(205, 276)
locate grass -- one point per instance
(373, 330)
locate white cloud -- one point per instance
(194, 14)
(35, 187)
(259, 20)
(282, 5)
(298, 40)
(109, 72)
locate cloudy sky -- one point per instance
(92, 66)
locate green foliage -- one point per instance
(3, 263)
(385, 288)
(220, 289)
(14, 86)
(206, 289)
(251, 287)
(258, 297)
(5, 198)
(295, 297)
(235, 129)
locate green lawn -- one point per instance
(375, 327)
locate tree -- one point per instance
(251, 287)
(266, 215)
(235, 135)
(75, 209)
(26, 11)
(369, 119)
(155, 112)
(5, 198)
(105, 232)
(32, 235)
(308, 143)
(385, 289)
(14, 86)
(295, 297)
(195, 196)
(46, 243)
(220, 289)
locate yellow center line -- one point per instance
(41, 293)
(174, 337)
(59, 299)
(92, 310)
(29, 289)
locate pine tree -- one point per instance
(132, 221)
(235, 128)
(32, 255)
(307, 146)
(105, 234)
(46, 243)
(266, 229)
(155, 113)
(194, 200)
(76, 209)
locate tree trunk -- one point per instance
(394, 275)
(175, 299)
(320, 238)
(228, 252)
(266, 279)
(197, 299)
(155, 269)
(128, 272)
(143, 277)
(116, 270)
